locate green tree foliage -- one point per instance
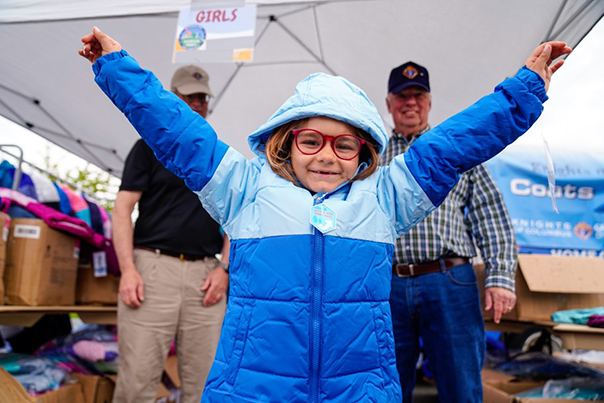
(93, 181)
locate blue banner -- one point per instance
(578, 229)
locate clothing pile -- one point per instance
(572, 388)
(60, 197)
(38, 375)
(92, 350)
(593, 317)
(61, 208)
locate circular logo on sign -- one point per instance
(583, 231)
(192, 37)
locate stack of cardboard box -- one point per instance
(42, 268)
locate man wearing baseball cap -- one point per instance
(172, 285)
(434, 292)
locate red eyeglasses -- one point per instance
(310, 142)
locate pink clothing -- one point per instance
(78, 204)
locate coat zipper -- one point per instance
(316, 316)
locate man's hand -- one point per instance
(131, 288)
(500, 300)
(215, 286)
(98, 44)
(542, 58)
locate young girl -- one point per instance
(313, 219)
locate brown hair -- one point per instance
(279, 144)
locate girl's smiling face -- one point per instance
(323, 172)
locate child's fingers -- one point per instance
(544, 57)
(106, 43)
(535, 55)
(556, 66)
(87, 38)
(559, 49)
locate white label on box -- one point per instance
(99, 262)
(27, 231)
(5, 234)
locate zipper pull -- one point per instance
(319, 199)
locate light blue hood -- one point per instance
(323, 95)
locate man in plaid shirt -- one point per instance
(434, 290)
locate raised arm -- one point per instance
(419, 180)
(481, 131)
(181, 139)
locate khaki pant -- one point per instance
(172, 310)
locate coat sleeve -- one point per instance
(180, 138)
(416, 182)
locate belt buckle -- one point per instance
(182, 257)
(411, 272)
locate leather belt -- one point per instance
(182, 256)
(410, 270)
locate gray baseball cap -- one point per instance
(191, 79)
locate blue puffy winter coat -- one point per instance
(308, 319)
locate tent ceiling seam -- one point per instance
(555, 21)
(78, 141)
(224, 89)
(305, 47)
(314, 13)
(285, 14)
(15, 92)
(239, 66)
(284, 62)
(572, 18)
(15, 114)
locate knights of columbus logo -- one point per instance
(410, 72)
(583, 231)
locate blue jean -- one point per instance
(444, 310)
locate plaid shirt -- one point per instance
(473, 211)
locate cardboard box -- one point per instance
(41, 264)
(4, 229)
(91, 290)
(501, 388)
(492, 394)
(96, 389)
(546, 284)
(13, 392)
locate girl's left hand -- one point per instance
(98, 44)
(542, 58)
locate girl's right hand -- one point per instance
(98, 44)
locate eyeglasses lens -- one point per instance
(345, 146)
(203, 98)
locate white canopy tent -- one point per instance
(467, 45)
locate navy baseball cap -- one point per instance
(408, 75)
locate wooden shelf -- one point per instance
(17, 315)
(574, 337)
(580, 337)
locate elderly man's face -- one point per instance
(409, 109)
(198, 102)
